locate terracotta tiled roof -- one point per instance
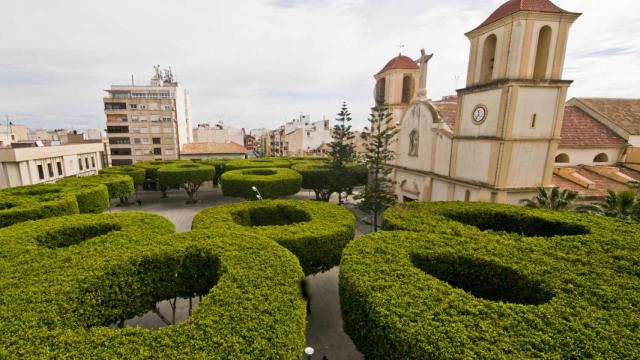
(624, 113)
(601, 183)
(399, 62)
(229, 147)
(513, 6)
(448, 109)
(580, 129)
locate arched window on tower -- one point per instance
(381, 89)
(488, 58)
(408, 87)
(562, 159)
(542, 53)
(601, 158)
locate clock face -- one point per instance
(479, 114)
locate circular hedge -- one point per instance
(180, 173)
(493, 281)
(117, 185)
(35, 202)
(219, 164)
(257, 163)
(64, 280)
(151, 167)
(137, 174)
(315, 232)
(271, 182)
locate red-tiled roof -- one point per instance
(580, 129)
(399, 62)
(229, 147)
(624, 113)
(448, 109)
(601, 183)
(513, 6)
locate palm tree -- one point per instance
(623, 205)
(556, 199)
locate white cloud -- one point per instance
(258, 63)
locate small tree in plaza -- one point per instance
(342, 152)
(378, 194)
(189, 176)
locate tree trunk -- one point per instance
(375, 222)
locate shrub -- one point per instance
(257, 163)
(315, 232)
(35, 202)
(492, 281)
(272, 183)
(63, 280)
(151, 171)
(137, 174)
(188, 176)
(219, 165)
(91, 197)
(319, 176)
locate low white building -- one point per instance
(218, 133)
(210, 150)
(33, 163)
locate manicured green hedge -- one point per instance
(63, 280)
(138, 174)
(35, 202)
(315, 232)
(151, 167)
(493, 281)
(219, 164)
(257, 163)
(271, 182)
(181, 173)
(91, 198)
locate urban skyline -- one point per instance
(320, 55)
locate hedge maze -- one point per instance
(464, 280)
(272, 183)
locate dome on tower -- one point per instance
(513, 6)
(399, 62)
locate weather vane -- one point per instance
(401, 46)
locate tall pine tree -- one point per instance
(342, 152)
(379, 194)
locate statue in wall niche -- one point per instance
(414, 141)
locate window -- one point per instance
(156, 140)
(381, 89)
(50, 169)
(142, 107)
(86, 161)
(136, 140)
(167, 118)
(115, 106)
(80, 161)
(562, 159)
(467, 196)
(119, 140)
(601, 158)
(126, 151)
(40, 172)
(119, 162)
(133, 106)
(59, 164)
(93, 162)
(157, 151)
(542, 53)
(167, 107)
(408, 86)
(117, 129)
(488, 58)
(533, 120)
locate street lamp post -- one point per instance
(309, 352)
(255, 189)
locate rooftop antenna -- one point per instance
(401, 46)
(457, 78)
(132, 82)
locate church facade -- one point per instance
(499, 138)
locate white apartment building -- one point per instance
(148, 122)
(33, 163)
(218, 133)
(11, 133)
(303, 137)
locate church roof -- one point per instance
(399, 62)
(624, 113)
(513, 6)
(580, 129)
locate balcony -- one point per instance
(117, 129)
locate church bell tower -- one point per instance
(397, 85)
(510, 113)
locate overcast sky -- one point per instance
(259, 63)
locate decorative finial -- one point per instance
(401, 46)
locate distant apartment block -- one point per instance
(218, 133)
(29, 163)
(147, 122)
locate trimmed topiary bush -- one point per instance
(137, 174)
(219, 164)
(257, 163)
(271, 182)
(64, 280)
(320, 177)
(188, 176)
(91, 198)
(473, 280)
(35, 202)
(315, 232)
